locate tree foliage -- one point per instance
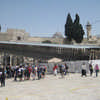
(46, 41)
(68, 27)
(74, 30)
(78, 31)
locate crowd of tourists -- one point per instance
(24, 72)
(63, 69)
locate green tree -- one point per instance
(78, 31)
(46, 41)
(69, 27)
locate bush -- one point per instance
(46, 41)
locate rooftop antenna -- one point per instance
(0, 28)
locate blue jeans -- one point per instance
(97, 73)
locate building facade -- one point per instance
(14, 35)
(19, 35)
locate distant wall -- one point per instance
(39, 40)
(14, 35)
(5, 36)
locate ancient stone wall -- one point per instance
(40, 40)
(5, 36)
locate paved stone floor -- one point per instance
(72, 87)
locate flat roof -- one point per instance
(50, 45)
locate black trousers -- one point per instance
(91, 72)
(2, 82)
(39, 75)
(15, 78)
(83, 72)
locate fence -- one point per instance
(74, 66)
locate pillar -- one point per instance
(10, 60)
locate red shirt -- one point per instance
(55, 67)
(29, 69)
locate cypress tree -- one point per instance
(78, 31)
(69, 27)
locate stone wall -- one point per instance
(14, 35)
(40, 40)
(4, 36)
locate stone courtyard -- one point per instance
(72, 87)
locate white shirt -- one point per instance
(0, 73)
(84, 67)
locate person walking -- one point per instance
(91, 69)
(60, 69)
(20, 72)
(43, 71)
(38, 72)
(34, 73)
(3, 78)
(16, 73)
(25, 72)
(96, 70)
(0, 73)
(29, 69)
(55, 69)
(63, 70)
(83, 70)
(66, 69)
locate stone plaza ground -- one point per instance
(72, 87)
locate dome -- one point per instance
(58, 35)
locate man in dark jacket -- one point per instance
(66, 69)
(3, 78)
(39, 72)
(91, 69)
(16, 73)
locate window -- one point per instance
(18, 38)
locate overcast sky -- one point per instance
(45, 17)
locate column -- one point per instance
(10, 60)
